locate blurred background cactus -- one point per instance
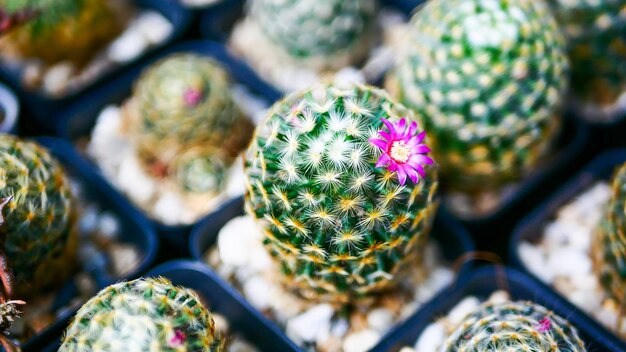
(323, 35)
(64, 30)
(184, 103)
(344, 213)
(513, 326)
(488, 78)
(143, 315)
(38, 233)
(596, 35)
(609, 243)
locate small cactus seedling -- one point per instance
(596, 35)
(323, 35)
(182, 105)
(488, 77)
(337, 179)
(609, 242)
(63, 30)
(513, 326)
(37, 233)
(143, 315)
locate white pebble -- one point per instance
(462, 309)
(257, 291)
(431, 338)
(127, 47)
(134, 181)
(380, 319)
(88, 221)
(361, 341)
(306, 326)
(171, 209)
(236, 240)
(567, 261)
(499, 297)
(154, 27)
(56, 79)
(533, 258)
(108, 225)
(347, 77)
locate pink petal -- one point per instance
(402, 127)
(412, 174)
(385, 135)
(393, 166)
(421, 136)
(379, 143)
(420, 159)
(387, 123)
(412, 129)
(420, 148)
(383, 160)
(401, 176)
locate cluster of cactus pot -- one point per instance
(184, 121)
(63, 30)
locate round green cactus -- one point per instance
(513, 326)
(198, 171)
(596, 35)
(488, 77)
(321, 34)
(182, 102)
(344, 213)
(143, 315)
(64, 30)
(38, 215)
(609, 243)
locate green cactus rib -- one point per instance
(199, 171)
(513, 326)
(143, 315)
(184, 101)
(38, 218)
(609, 241)
(311, 28)
(339, 227)
(596, 35)
(488, 77)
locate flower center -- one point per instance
(400, 152)
(192, 97)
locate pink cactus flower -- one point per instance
(192, 97)
(544, 325)
(403, 150)
(178, 339)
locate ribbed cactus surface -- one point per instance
(38, 220)
(66, 30)
(329, 33)
(609, 241)
(513, 326)
(143, 315)
(184, 101)
(342, 216)
(198, 171)
(488, 77)
(596, 34)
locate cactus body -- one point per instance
(65, 30)
(609, 242)
(324, 35)
(339, 225)
(143, 315)
(513, 326)
(596, 35)
(38, 228)
(488, 77)
(184, 101)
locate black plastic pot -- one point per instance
(134, 230)
(531, 228)
(453, 239)
(78, 120)
(482, 283)
(43, 108)
(220, 298)
(9, 110)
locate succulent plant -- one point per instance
(513, 326)
(184, 102)
(596, 35)
(488, 78)
(609, 243)
(199, 171)
(344, 212)
(143, 315)
(64, 30)
(38, 231)
(324, 35)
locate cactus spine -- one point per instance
(513, 326)
(143, 315)
(38, 229)
(488, 77)
(339, 224)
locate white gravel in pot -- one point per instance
(561, 257)
(240, 258)
(113, 151)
